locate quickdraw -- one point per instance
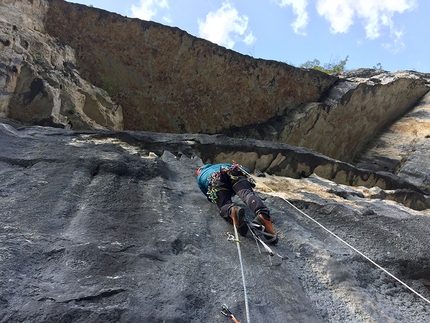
(230, 237)
(260, 230)
(226, 312)
(256, 235)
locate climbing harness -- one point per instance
(242, 170)
(226, 312)
(235, 172)
(353, 248)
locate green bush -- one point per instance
(334, 67)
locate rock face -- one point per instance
(170, 81)
(356, 108)
(39, 82)
(162, 79)
(101, 226)
(404, 147)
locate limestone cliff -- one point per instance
(162, 79)
(352, 112)
(403, 146)
(99, 225)
(170, 81)
(107, 226)
(39, 81)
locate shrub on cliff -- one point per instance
(333, 67)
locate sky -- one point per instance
(388, 34)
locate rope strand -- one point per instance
(243, 272)
(353, 248)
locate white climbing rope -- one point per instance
(243, 273)
(353, 248)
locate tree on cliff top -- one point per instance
(333, 67)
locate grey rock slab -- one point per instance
(95, 230)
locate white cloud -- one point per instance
(225, 27)
(167, 20)
(148, 8)
(375, 15)
(299, 9)
(249, 39)
(397, 45)
(339, 13)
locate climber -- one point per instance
(220, 182)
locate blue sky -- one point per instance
(392, 33)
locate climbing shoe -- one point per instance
(238, 216)
(263, 225)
